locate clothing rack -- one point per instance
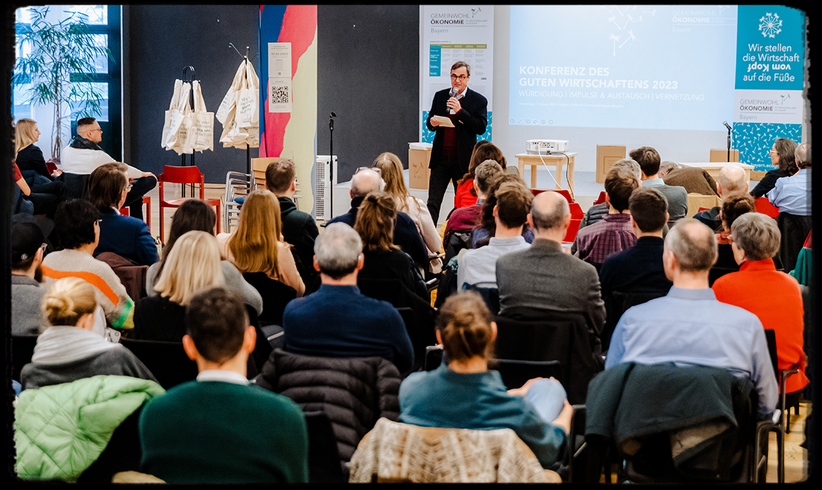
(186, 71)
(247, 147)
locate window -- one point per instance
(103, 24)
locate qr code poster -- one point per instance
(279, 95)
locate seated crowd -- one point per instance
(645, 283)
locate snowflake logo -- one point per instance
(770, 25)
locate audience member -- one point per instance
(695, 180)
(486, 228)
(126, 236)
(464, 394)
(478, 267)
(598, 211)
(466, 218)
(84, 154)
(21, 202)
(337, 320)
(466, 194)
(384, 259)
(27, 249)
(257, 249)
(194, 214)
(733, 180)
(614, 233)
(773, 296)
(783, 156)
(45, 192)
(732, 208)
(689, 326)
(391, 172)
(366, 180)
(193, 266)
(299, 227)
(639, 268)
(68, 349)
(77, 225)
(792, 194)
(220, 428)
(648, 160)
(544, 279)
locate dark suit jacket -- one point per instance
(543, 279)
(405, 232)
(126, 236)
(473, 120)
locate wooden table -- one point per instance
(714, 168)
(555, 159)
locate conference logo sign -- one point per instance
(768, 106)
(770, 25)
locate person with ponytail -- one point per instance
(68, 349)
(462, 393)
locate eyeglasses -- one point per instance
(460, 77)
(376, 169)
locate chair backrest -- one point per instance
(515, 372)
(167, 361)
(558, 337)
(323, 457)
(22, 348)
(258, 167)
(764, 206)
(565, 193)
(770, 338)
(600, 198)
(181, 175)
(489, 295)
(617, 303)
(276, 296)
(700, 202)
(433, 357)
(396, 452)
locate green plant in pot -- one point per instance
(59, 65)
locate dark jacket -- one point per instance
(641, 406)
(126, 236)
(300, 230)
(472, 121)
(31, 162)
(353, 392)
(768, 182)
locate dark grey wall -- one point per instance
(368, 74)
(159, 42)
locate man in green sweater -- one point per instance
(220, 429)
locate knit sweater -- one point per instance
(223, 432)
(110, 293)
(26, 295)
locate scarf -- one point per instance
(84, 144)
(60, 345)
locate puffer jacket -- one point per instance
(353, 392)
(60, 430)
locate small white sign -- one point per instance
(279, 78)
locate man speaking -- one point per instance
(454, 141)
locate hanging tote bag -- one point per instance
(247, 99)
(202, 127)
(185, 134)
(173, 117)
(230, 99)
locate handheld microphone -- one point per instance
(452, 92)
(726, 125)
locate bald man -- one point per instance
(545, 278)
(406, 236)
(732, 180)
(689, 326)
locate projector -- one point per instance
(546, 146)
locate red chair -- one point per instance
(182, 175)
(601, 198)
(576, 218)
(147, 202)
(764, 206)
(565, 193)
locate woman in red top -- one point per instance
(773, 296)
(483, 150)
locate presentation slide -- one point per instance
(622, 66)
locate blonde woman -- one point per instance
(45, 192)
(391, 172)
(192, 266)
(68, 349)
(257, 249)
(383, 259)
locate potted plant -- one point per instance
(59, 66)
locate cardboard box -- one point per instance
(418, 171)
(722, 155)
(607, 156)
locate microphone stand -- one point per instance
(729, 144)
(331, 165)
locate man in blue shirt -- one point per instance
(339, 321)
(689, 326)
(792, 194)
